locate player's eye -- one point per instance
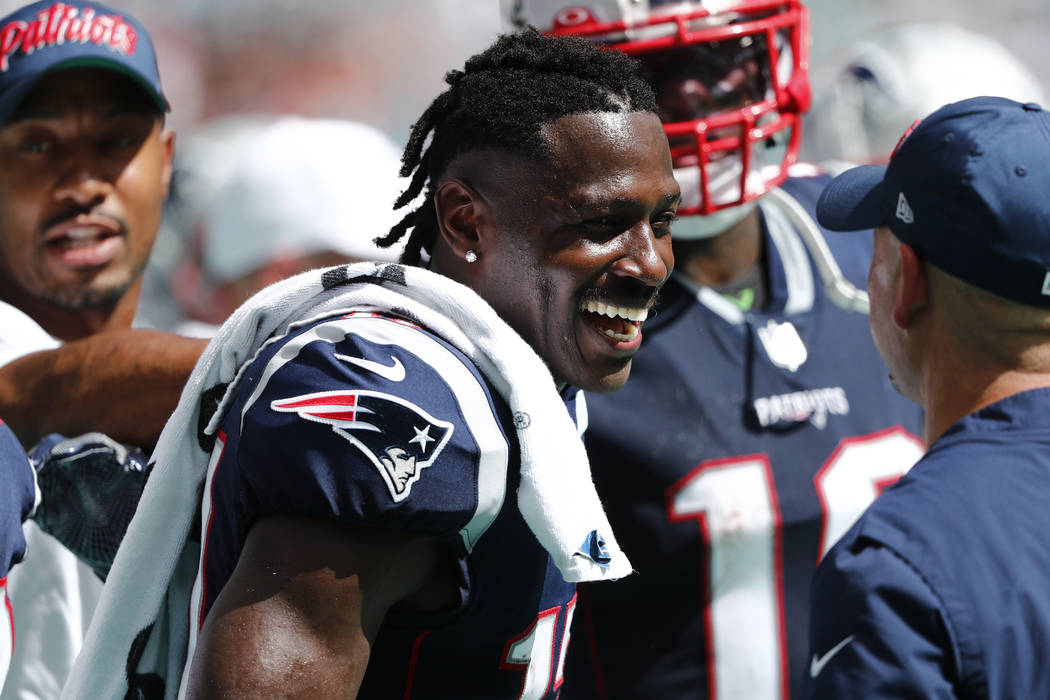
(662, 223)
(35, 145)
(603, 227)
(120, 141)
(125, 133)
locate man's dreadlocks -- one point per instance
(501, 101)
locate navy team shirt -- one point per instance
(371, 420)
(743, 445)
(942, 588)
(17, 498)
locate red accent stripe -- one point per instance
(414, 662)
(334, 415)
(325, 400)
(778, 564)
(10, 610)
(905, 135)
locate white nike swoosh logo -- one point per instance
(394, 372)
(817, 664)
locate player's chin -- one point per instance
(606, 376)
(97, 294)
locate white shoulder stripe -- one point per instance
(196, 611)
(468, 391)
(800, 284)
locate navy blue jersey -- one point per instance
(940, 589)
(374, 421)
(742, 446)
(17, 498)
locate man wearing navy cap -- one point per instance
(86, 163)
(940, 589)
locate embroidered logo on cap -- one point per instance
(1046, 284)
(904, 212)
(61, 24)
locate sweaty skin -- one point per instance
(593, 225)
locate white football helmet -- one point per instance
(731, 81)
(874, 91)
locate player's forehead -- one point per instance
(604, 147)
(604, 136)
(583, 158)
(97, 91)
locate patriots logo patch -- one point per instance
(397, 436)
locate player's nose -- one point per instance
(647, 257)
(82, 181)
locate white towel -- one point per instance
(141, 625)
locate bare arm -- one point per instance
(302, 608)
(123, 383)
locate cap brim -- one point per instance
(159, 100)
(851, 202)
(17, 90)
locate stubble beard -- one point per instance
(81, 299)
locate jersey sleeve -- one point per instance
(18, 489)
(877, 630)
(373, 422)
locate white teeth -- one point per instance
(79, 234)
(631, 332)
(637, 315)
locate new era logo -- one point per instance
(904, 212)
(1046, 284)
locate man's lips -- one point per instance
(84, 241)
(82, 229)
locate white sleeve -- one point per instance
(21, 335)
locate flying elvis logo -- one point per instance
(399, 438)
(60, 24)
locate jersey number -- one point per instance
(533, 652)
(734, 500)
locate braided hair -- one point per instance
(500, 101)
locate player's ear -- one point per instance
(913, 288)
(460, 211)
(167, 144)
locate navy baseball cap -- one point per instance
(47, 36)
(968, 188)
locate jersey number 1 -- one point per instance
(533, 652)
(735, 502)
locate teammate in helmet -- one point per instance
(759, 421)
